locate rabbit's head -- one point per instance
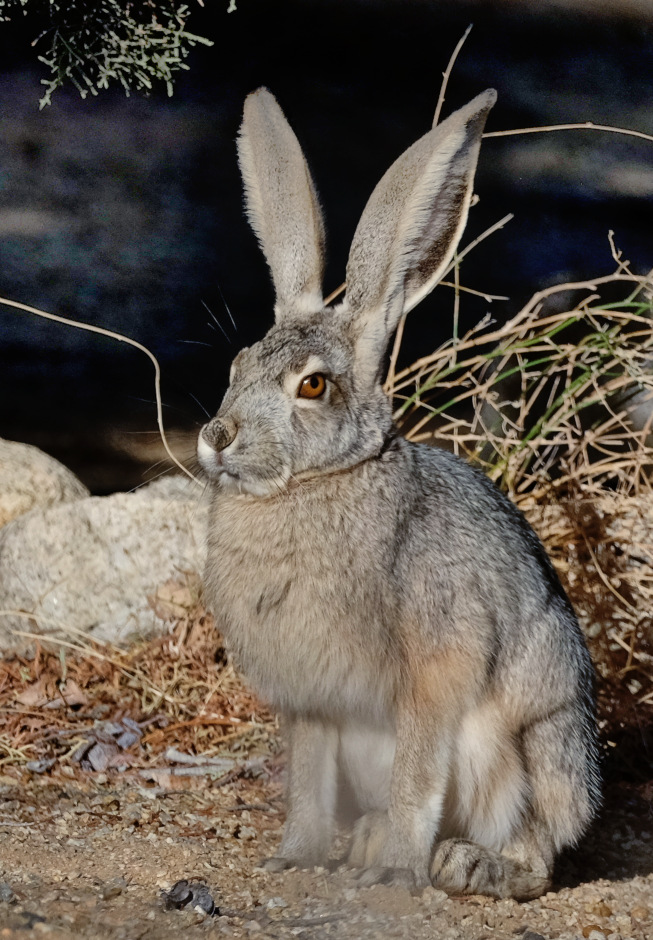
(308, 398)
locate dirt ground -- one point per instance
(92, 857)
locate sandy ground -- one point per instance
(93, 860)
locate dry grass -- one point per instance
(179, 690)
(545, 402)
(556, 406)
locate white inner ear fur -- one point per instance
(420, 208)
(292, 380)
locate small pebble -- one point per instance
(640, 913)
(113, 890)
(6, 893)
(600, 908)
(433, 896)
(178, 896)
(276, 903)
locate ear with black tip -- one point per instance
(410, 228)
(282, 205)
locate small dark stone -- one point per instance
(40, 766)
(203, 899)
(133, 726)
(80, 752)
(113, 889)
(101, 755)
(30, 919)
(127, 738)
(6, 893)
(184, 894)
(178, 896)
(106, 730)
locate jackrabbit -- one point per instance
(385, 597)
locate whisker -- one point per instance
(216, 321)
(196, 399)
(226, 306)
(157, 464)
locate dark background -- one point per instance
(127, 212)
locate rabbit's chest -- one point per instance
(299, 607)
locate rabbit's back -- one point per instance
(492, 582)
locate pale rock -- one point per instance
(90, 565)
(31, 478)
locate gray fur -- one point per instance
(384, 596)
(282, 204)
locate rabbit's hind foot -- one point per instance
(462, 867)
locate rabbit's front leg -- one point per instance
(399, 843)
(310, 797)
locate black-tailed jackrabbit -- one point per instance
(384, 596)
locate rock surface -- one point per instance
(31, 478)
(91, 564)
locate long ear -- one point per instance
(282, 204)
(410, 228)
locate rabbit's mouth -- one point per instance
(220, 468)
(211, 460)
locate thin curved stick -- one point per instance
(447, 73)
(121, 339)
(585, 126)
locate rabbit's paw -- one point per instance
(398, 877)
(372, 850)
(277, 863)
(461, 867)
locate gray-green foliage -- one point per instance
(94, 43)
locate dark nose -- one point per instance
(219, 433)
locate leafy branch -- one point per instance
(96, 43)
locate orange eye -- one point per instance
(312, 386)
